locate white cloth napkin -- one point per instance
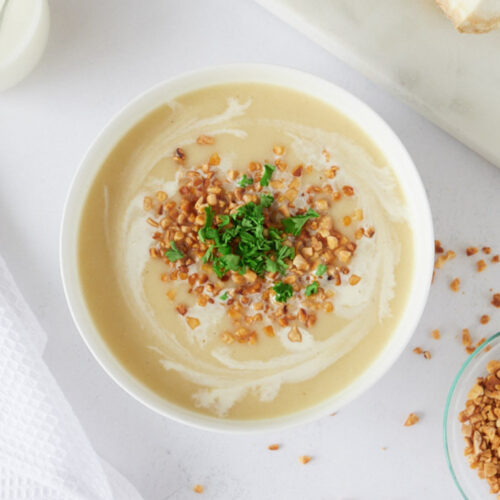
(44, 452)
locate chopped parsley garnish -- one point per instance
(293, 225)
(207, 257)
(174, 253)
(245, 181)
(311, 289)
(243, 241)
(268, 172)
(224, 296)
(266, 200)
(321, 270)
(283, 291)
(207, 232)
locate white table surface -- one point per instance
(101, 53)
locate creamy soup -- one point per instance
(245, 251)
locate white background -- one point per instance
(102, 53)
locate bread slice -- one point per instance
(472, 16)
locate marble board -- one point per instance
(411, 48)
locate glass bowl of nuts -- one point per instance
(472, 423)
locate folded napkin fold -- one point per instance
(44, 452)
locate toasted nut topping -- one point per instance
(179, 154)
(294, 334)
(181, 309)
(486, 250)
(354, 280)
(278, 150)
(412, 419)
(147, 203)
(495, 259)
(198, 488)
(455, 285)
(304, 459)
(417, 350)
(370, 232)
(427, 355)
(347, 220)
(484, 319)
(481, 266)
(348, 190)
(273, 447)
(214, 159)
(205, 139)
(480, 422)
(471, 251)
(269, 331)
(436, 335)
(193, 322)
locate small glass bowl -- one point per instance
(469, 484)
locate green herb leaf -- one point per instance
(312, 289)
(266, 200)
(268, 172)
(245, 181)
(207, 232)
(321, 270)
(293, 225)
(283, 291)
(173, 253)
(208, 255)
(224, 220)
(224, 296)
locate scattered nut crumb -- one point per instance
(198, 488)
(495, 259)
(436, 335)
(484, 319)
(455, 285)
(449, 255)
(481, 266)
(471, 251)
(304, 459)
(486, 250)
(437, 247)
(495, 301)
(466, 339)
(418, 350)
(273, 447)
(412, 419)
(427, 355)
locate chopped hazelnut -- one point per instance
(412, 419)
(484, 319)
(495, 301)
(304, 459)
(198, 488)
(481, 265)
(205, 139)
(193, 322)
(455, 285)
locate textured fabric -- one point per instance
(44, 453)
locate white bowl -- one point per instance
(365, 118)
